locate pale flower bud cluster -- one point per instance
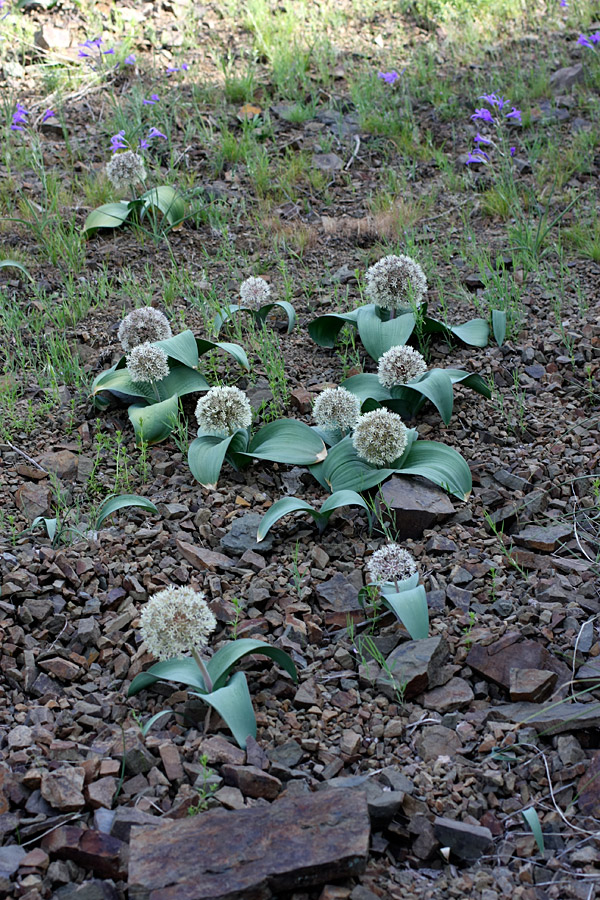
(175, 621)
(125, 169)
(142, 325)
(254, 292)
(336, 408)
(391, 563)
(380, 437)
(223, 410)
(400, 365)
(395, 281)
(147, 363)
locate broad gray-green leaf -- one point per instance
(533, 820)
(287, 505)
(220, 665)
(180, 381)
(499, 325)
(410, 606)
(49, 524)
(366, 386)
(183, 670)
(474, 333)
(13, 264)
(154, 423)
(182, 347)
(344, 470)
(112, 504)
(289, 442)
(234, 704)
(377, 335)
(170, 203)
(207, 453)
(441, 464)
(325, 329)
(436, 386)
(109, 215)
(238, 353)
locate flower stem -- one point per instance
(200, 663)
(155, 389)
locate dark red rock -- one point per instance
(412, 505)
(95, 850)
(496, 660)
(252, 854)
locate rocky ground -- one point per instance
(410, 790)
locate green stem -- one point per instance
(200, 663)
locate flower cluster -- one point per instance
(223, 410)
(119, 142)
(589, 41)
(147, 363)
(400, 365)
(391, 563)
(395, 281)
(125, 169)
(501, 115)
(254, 292)
(143, 325)
(336, 408)
(19, 118)
(175, 621)
(389, 77)
(380, 437)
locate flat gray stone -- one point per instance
(10, 859)
(413, 667)
(551, 718)
(467, 842)
(242, 536)
(412, 505)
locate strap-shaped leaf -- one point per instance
(49, 524)
(109, 215)
(234, 704)
(220, 665)
(112, 504)
(159, 715)
(154, 423)
(206, 455)
(288, 505)
(13, 264)
(180, 381)
(474, 333)
(183, 670)
(533, 820)
(325, 329)
(260, 314)
(238, 353)
(345, 470)
(410, 606)
(378, 335)
(366, 386)
(436, 385)
(287, 441)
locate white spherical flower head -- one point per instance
(254, 292)
(142, 325)
(391, 563)
(400, 365)
(336, 408)
(175, 621)
(147, 363)
(379, 437)
(395, 281)
(223, 410)
(125, 169)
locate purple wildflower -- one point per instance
(49, 114)
(493, 100)
(515, 114)
(564, 4)
(118, 141)
(144, 144)
(513, 151)
(480, 139)
(389, 77)
(107, 52)
(595, 37)
(154, 132)
(19, 118)
(478, 157)
(129, 60)
(483, 114)
(184, 66)
(154, 98)
(171, 69)
(583, 41)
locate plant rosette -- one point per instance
(226, 693)
(163, 199)
(153, 406)
(435, 386)
(381, 329)
(287, 505)
(285, 441)
(343, 469)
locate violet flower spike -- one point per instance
(143, 144)
(129, 60)
(515, 114)
(564, 4)
(583, 41)
(49, 114)
(513, 151)
(154, 132)
(478, 157)
(107, 52)
(483, 114)
(493, 100)
(595, 37)
(389, 77)
(154, 98)
(480, 139)
(118, 141)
